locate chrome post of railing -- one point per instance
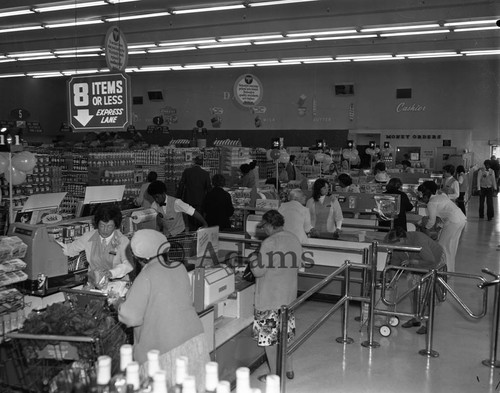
(282, 348)
(373, 275)
(428, 351)
(345, 316)
(492, 361)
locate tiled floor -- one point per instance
(323, 365)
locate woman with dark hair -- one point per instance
(450, 185)
(105, 247)
(144, 199)
(326, 213)
(218, 206)
(380, 173)
(247, 175)
(275, 268)
(394, 187)
(345, 183)
(453, 219)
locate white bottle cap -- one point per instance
(223, 387)
(189, 384)
(132, 375)
(153, 362)
(181, 369)
(126, 356)
(272, 384)
(103, 370)
(211, 376)
(160, 382)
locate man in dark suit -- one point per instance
(194, 185)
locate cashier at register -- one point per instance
(104, 246)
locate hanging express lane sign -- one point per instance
(99, 102)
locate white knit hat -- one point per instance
(148, 243)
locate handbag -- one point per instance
(248, 275)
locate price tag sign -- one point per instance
(99, 102)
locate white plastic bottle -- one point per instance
(119, 381)
(211, 377)
(153, 366)
(242, 380)
(273, 384)
(223, 387)
(103, 373)
(181, 367)
(132, 374)
(189, 384)
(160, 382)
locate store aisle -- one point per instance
(322, 365)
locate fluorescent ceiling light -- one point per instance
(15, 13)
(345, 37)
(223, 45)
(325, 61)
(481, 52)
(471, 22)
(70, 6)
(174, 49)
(378, 59)
(459, 30)
(191, 42)
(208, 9)
(316, 33)
(43, 73)
(432, 55)
(76, 55)
(76, 50)
(268, 63)
(29, 54)
(243, 65)
(120, 1)
(137, 52)
(304, 59)
(406, 33)
(250, 38)
(140, 46)
(80, 72)
(361, 57)
(11, 75)
(196, 67)
(23, 28)
(396, 28)
(74, 24)
(282, 41)
(36, 58)
(55, 75)
(277, 2)
(7, 60)
(139, 16)
(154, 68)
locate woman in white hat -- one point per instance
(159, 307)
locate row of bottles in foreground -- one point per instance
(155, 380)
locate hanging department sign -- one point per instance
(99, 102)
(116, 49)
(248, 90)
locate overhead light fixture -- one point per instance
(429, 55)
(363, 57)
(138, 16)
(77, 55)
(471, 22)
(196, 67)
(207, 9)
(190, 42)
(69, 6)
(36, 58)
(154, 68)
(283, 41)
(407, 33)
(460, 30)
(80, 72)
(11, 75)
(76, 50)
(321, 33)
(137, 52)
(396, 28)
(6, 14)
(277, 2)
(21, 28)
(481, 52)
(173, 49)
(250, 38)
(346, 37)
(325, 61)
(374, 58)
(120, 1)
(304, 59)
(268, 63)
(224, 45)
(7, 60)
(73, 24)
(141, 46)
(29, 54)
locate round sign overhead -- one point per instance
(116, 49)
(248, 90)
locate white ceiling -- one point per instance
(282, 19)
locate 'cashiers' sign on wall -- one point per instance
(99, 102)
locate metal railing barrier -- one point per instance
(492, 361)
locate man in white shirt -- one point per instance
(170, 209)
(450, 185)
(486, 184)
(297, 216)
